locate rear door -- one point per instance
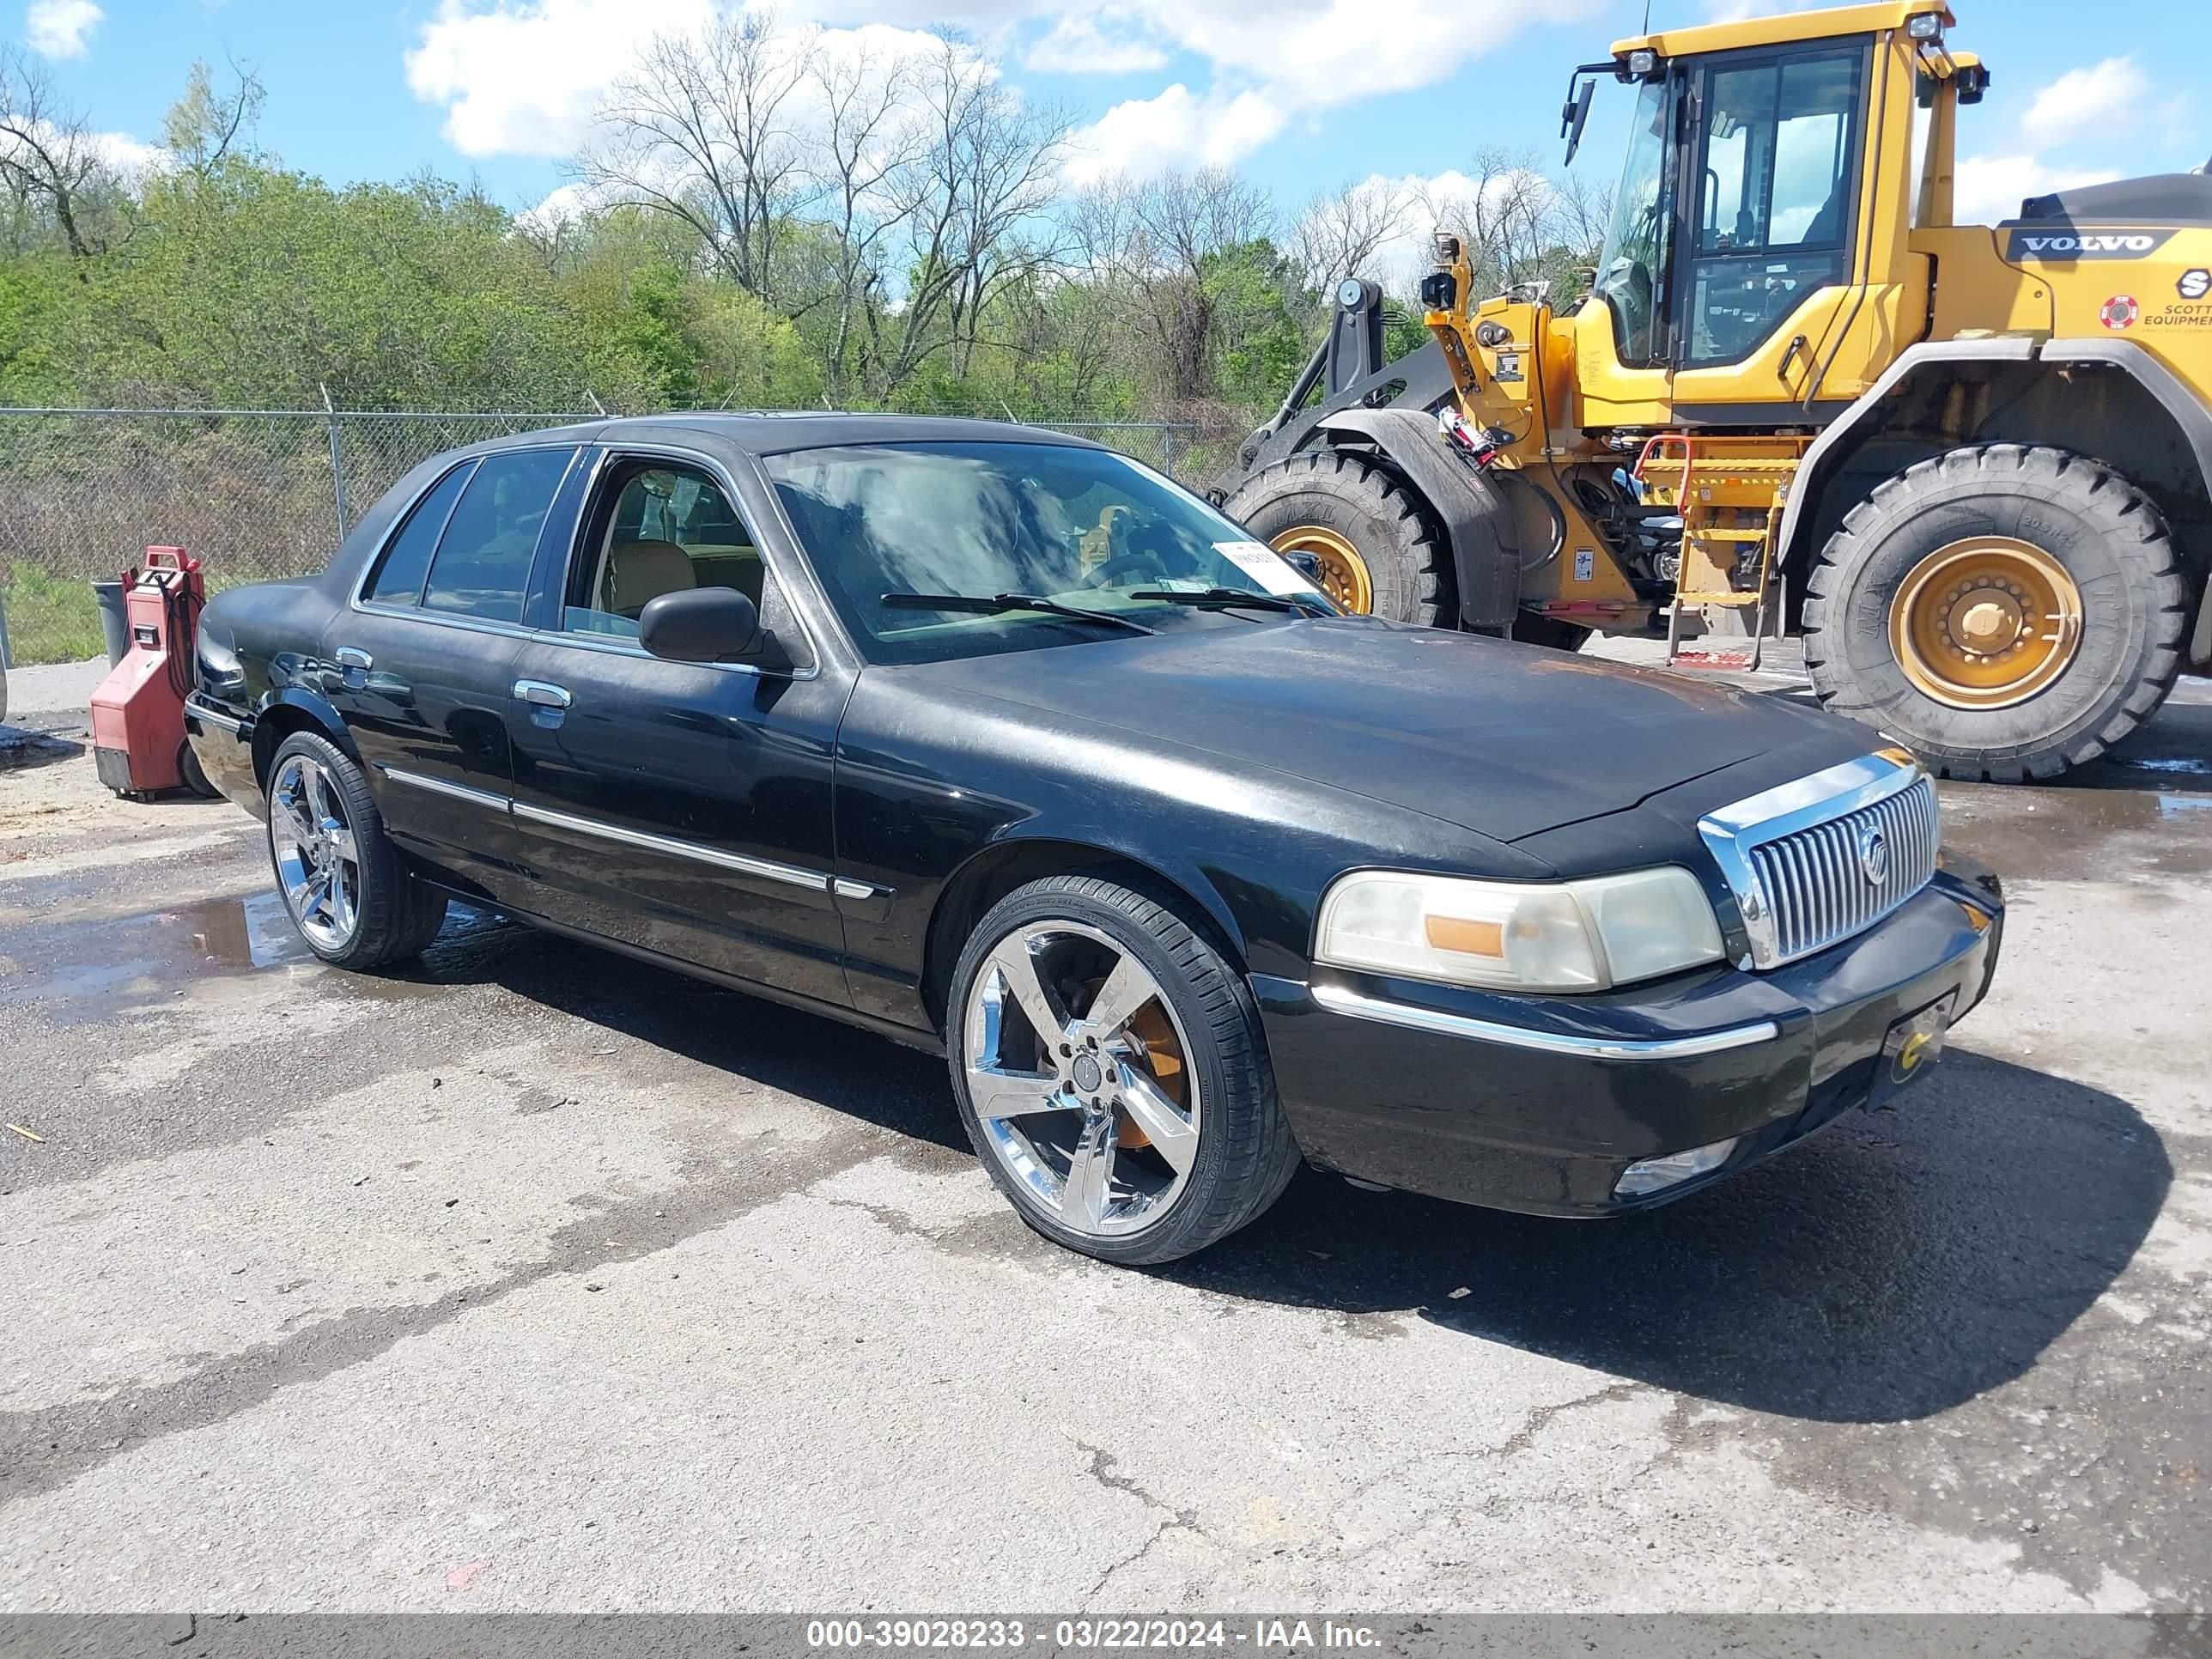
(425, 658)
(683, 808)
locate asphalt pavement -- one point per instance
(531, 1277)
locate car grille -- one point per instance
(1818, 861)
(1817, 888)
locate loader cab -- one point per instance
(1753, 267)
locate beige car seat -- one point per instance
(640, 571)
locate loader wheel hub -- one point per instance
(1985, 623)
(1338, 567)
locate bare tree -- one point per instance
(972, 204)
(1339, 235)
(1519, 226)
(48, 158)
(1156, 239)
(705, 130)
(869, 136)
(555, 230)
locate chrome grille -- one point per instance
(1817, 889)
(1819, 860)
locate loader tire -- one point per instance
(1378, 547)
(2007, 611)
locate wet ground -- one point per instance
(534, 1278)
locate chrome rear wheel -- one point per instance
(317, 854)
(1078, 1071)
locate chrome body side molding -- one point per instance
(1338, 1001)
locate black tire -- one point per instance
(1246, 1155)
(195, 777)
(398, 916)
(2112, 542)
(1370, 506)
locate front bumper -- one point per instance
(1541, 1103)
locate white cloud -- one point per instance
(1294, 56)
(1319, 54)
(129, 158)
(1077, 45)
(1986, 189)
(62, 28)
(1176, 130)
(2086, 103)
(523, 78)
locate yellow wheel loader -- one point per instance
(1968, 464)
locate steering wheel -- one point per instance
(1141, 562)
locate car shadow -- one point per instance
(1899, 1264)
(21, 750)
(821, 1060)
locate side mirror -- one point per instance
(1574, 116)
(704, 624)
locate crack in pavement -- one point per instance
(48, 1448)
(1541, 1419)
(1103, 1464)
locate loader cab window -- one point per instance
(1630, 272)
(1776, 172)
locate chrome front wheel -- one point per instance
(1078, 1071)
(317, 855)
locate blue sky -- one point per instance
(1302, 94)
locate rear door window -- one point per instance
(483, 564)
(398, 579)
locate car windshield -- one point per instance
(1086, 529)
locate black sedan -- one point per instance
(997, 743)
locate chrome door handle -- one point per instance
(348, 657)
(543, 693)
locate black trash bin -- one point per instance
(114, 621)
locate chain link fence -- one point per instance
(254, 493)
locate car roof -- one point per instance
(771, 433)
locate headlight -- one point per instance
(1513, 936)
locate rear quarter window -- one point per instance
(483, 563)
(406, 562)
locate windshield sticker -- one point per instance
(1264, 566)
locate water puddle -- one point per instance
(2188, 764)
(2080, 835)
(234, 934)
(97, 961)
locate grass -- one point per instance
(51, 618)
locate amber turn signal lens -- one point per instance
(1473, 939)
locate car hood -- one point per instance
(1503, 739)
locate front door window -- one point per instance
(1775, 180)
(1631, 268)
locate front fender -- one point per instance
(1478, 521)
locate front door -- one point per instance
(421, 662)
(1766, 216)
(683, 808)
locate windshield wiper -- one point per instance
(997, 604)
(1223, 597)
